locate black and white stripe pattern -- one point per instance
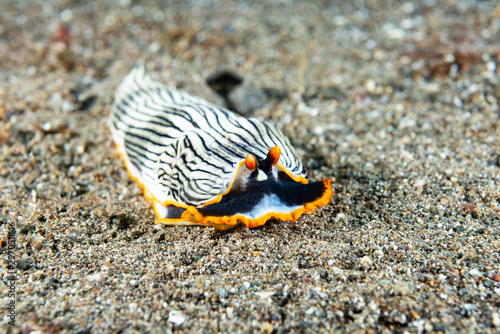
(183, 148)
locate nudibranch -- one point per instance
(201, 164)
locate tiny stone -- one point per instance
(266, 328)
(36, 244)
(495, 319)
(176, 317)
(47, 127)
(310, 310)
(94, 277)
(23, 264)
(419, 183)
(370, 85)
(80, 149)
(469, 207)
(132, 307)
(154, 47)
(319, 130)
(491, 66)
(340, 216)
(336, 270)
(428, 326)
(223, 293)
(474, 272)
(365, 261)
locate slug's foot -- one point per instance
(172, 215)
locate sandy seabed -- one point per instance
(397, 102)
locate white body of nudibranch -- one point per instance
(202, 164)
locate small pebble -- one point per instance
(336, 270)
(365, 261)
(94, 278)
(23, 264)
(223, 293)
(132, 307)
(495, 319)
(371, 85)
(266, 328)
(475, 272)
(176, 317)
(229, 312)
(36, 244)
(419, 183)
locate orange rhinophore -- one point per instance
(251, 162)
(274, 155)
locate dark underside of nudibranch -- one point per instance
(288, 194)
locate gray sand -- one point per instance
(397, 102)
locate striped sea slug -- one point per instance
(201, 164)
